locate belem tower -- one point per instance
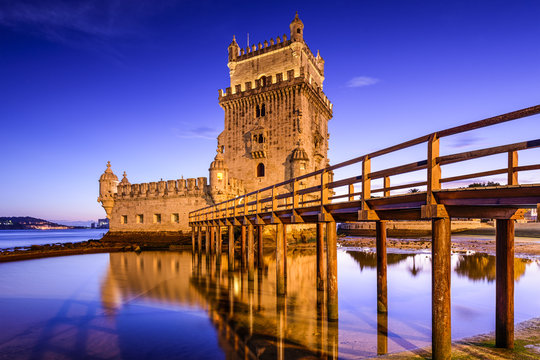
(276, 128)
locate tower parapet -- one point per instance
(108, 183)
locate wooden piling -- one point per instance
(504, 319)
(212, 237)
(260, 261)
(231, 247)
(280, 261)
(382, 333)
(331, 270)
(382, 299)
(207, 240)
(243, 246)
(320, 256)
(199, 239)
(440, 283)
(193, 239)
(285, 250)
(250, 253)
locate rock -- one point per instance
(137, 248)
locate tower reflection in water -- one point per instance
(249, 317)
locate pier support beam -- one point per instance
(231, 247)
(331, 270)
(212, 237)
(440, 293)
(285, 250)
(250, 253)
(207, 240)
(199, 239)
(504, 318)
(280, 261)
(382, 299)
(193, 230)
(243, 246)
(320, 256)
(260, 263)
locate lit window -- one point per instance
(140, 218)
(220, 176)
(175, 218)
(123, 220)
(157, 218)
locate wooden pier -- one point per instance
(352, 199)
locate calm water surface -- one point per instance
(172, 305)
(26, 238)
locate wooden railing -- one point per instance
(294, 194)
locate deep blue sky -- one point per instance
(135, 82)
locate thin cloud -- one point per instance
(201, 132)
(466, 141)
(360, 81)
(88, 24)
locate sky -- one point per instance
(136, 83)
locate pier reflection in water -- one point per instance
(158, 304)
(250, 317)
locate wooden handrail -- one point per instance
(433, 164)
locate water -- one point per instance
(25, 238)
(171, 305)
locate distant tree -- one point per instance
(484, 184)
(414, 190)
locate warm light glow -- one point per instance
(220, 176)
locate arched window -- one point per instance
(261, 139)
(263, 110)
(258, 111)
(298, 30)
(260, 170)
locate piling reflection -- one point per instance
(248, 315)
(482, 267)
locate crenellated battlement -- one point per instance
(163, 188)
(274, 82)
(265, 47)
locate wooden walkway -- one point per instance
(354, 199)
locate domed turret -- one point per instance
(299, 160)
(219, 176)
(108, 183)
(297, 29)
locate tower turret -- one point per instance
(299, 160)
(108, 183)
(297, 29)
(125, 180)
(219, 177)
(233, 50)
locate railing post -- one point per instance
(366, 182)
(504, 324)
(386, 185)
(512, 163)
(433, 169)
(351, 191)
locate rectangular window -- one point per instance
(157, 218)
(140, 218)
(123, 220)
(175, 218)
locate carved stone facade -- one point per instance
(276, 128)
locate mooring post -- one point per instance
(250, 253)
(440, 284)
(243, 246)
(320, 256)
(331, 270)
(231, 247)
(382, 300)
(207, 240)
(280, 261)
(504, 318)
(260, 263)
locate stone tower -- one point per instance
(276, 114)
(108, 183)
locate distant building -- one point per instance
(103, 223)
(275, 129)
(93, 225)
